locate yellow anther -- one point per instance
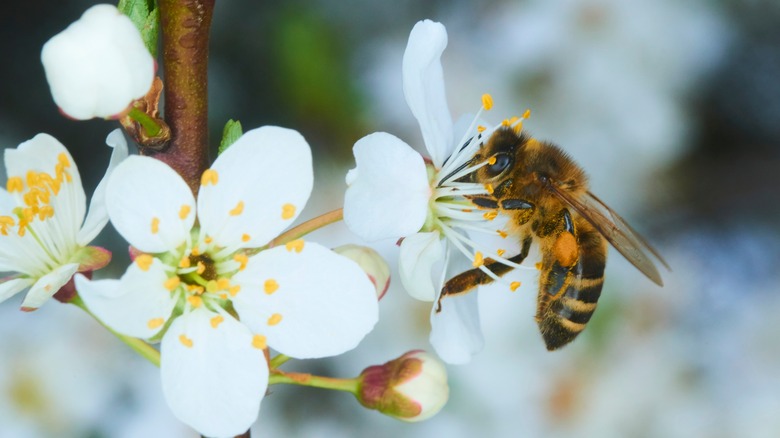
(201, 268)
(489, 188)
(500, 252)
(223, 296)
(187, 342)
(208, 240)
(155, 225)
(144, 261)
(172, 283)
(195, 301)
(195, 289)
(223, 283)
(242, 259)
(45, 212)
(234, 290)
(184, 262)
(211, 286)
(276, 318)
(295, 245)
(270, 286)
(238, 209)
(259, 342)
(527, 113)
(492, 160)
(63, 160)
(481, 128)
(514, 285)
(479, 260)
(245, 237)
(513, 120)
(538, 265)
(490, 215)
(209, 176)
(466, 210)
(32, 178)
(288, 211)
(216, 321)
(155, 323)
(14, 184)
(184, 211)
(195, 251)
(502, 233)
(518, 127)
(487, 101)
(505, 122)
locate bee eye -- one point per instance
(500, 163)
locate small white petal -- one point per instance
(13, 286)
(98, 65)
(144, 198)
(265, 179)
(136, 305)
(456, 333)
(48, 285)
(418, 255)
(424, 87)
(325, 303)
(97, 217)
(388, 191)
(214, 383)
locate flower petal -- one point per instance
(419, 253)
(97, 217)
(456, 333)
(264, 181)
(147, 202)
(212, 377)
(388, 191)
(424, 87)
(137, 305)
(48, 285)
(318, 304)
(13, 286)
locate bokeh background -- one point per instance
(673, 108)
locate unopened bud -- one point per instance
(372, 264)
(410, 388)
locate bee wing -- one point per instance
(617, 232)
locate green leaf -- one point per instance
(230, 134)
(145, 17)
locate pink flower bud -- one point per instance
(410, 388)
(371, 262)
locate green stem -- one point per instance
(278, 361)
(307, 227)
(145, 350)
(303, 379)
(149, 125)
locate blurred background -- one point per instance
(673, 108)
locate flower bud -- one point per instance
(410, 388)
(98, 65)
(371, 262)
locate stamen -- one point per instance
(234, 290)
(242, 259)
(184, 262)
(187, 342)
(514, 285)
(487, 101)
(489, 188)
(270, 286)
(201, 268)
(238, 209)
(172, 283)
(502, 233)
(500, 252)
(527, 113)
(259, 342)
(209, 176)
(184, 211)
(195, 301)
(295, 245)
(479, 260)
(195, 251)
(490, 215)
(14, 184)
(276, 318)
(216, 321)
(481, 128)
(492, 160)
(288, 211)
(245, 237)
(144, 261)
(223, 283)
(155, 323)
(155, 225)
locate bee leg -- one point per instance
(484, 202)
(463, 283)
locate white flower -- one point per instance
(98, 65)
(43, 231)
(215, 300)
(412, 387)
(394, 192)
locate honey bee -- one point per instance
(545, 193)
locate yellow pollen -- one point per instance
(172, 283)
(32, 178)
(14, 184)
(492, 160)
(295, 245)
(288, 211)
(487, 101)
(538, 265)
(195, 301)
(195, 251)
(223, 296)
(238, 209)
(234, 290)
(270, 286)
(216, 321)
(502, 233)
(481, 128)
(155, 225)
(245, 237)
(155, 323)
(500, 252)
(46, 211)
(209, 176)
(144, 261)
(479, 260)
(490, 215)
(489, 188)
(201, 268)
(514, 285)
(513, 120)
(184, 211)
(208, 240)
(518, 127)
(242, 259)
(276, 318)
(211, 286)
(223, 283)
(184, 262)
(258, 341)
(194, 288)
(187, 342)
(62, 158)
(527, 113)
(505, 122)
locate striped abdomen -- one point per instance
(572, 275)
